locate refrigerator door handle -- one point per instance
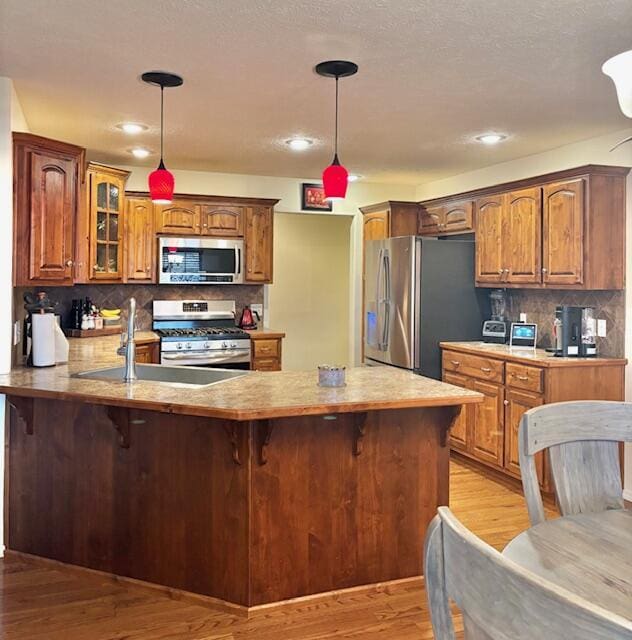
(387, 300)
(379, 299)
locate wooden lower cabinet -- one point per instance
(488, 435)
(148, 353)
(488, 432)
(516, 403)
(266, 351)
(458, 432)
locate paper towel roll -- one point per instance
(43, 331)
(61, 345)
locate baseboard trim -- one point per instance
(390, 587)
(627, 495)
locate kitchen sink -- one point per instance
(190, 376)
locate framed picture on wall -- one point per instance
(313, 198)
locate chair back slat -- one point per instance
(586, 476)
(499, 599)
(582, 439)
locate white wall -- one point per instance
(309, 300)
(591, 151)
(11, 117)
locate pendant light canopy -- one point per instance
(335, 176)
(161, 181)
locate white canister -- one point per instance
(43, 339)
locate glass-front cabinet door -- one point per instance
(107, 195)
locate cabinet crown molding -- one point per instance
(210, 199)
(555, 176)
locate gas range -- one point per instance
(201, 333)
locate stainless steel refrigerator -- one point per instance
(417, 293)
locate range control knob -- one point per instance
(179, 345)
(189, 345)
(233, 345)
(206, 345)
(224, 345)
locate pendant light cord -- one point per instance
(336, 125)
(162, 118)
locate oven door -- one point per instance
(224, 358)
(200, 261)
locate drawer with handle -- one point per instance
(474, 366)
(522, 376)
(265, 348)
(266, 364)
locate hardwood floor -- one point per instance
(45, 603)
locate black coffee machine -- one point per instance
(575, 332)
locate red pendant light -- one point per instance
(335, 176)
(161, 181)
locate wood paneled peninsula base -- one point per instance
(249, 511)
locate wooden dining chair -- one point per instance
(583, 442)
(499, 600)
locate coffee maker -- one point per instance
(575, 329)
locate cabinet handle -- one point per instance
(501, 271)
(544, 270)
(456, 363)
(505, 402)
(523, 378)
(69, 263)
(486, 370)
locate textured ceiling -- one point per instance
(433, 74)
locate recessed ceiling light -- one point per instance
(353, 177)
(491, 138)
(298, 144)
(132, 127)
(140, 152)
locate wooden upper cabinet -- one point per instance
(430, 220)
(449, 217)
(522, 236)
(105, 213)
(375, 226)
(258, 226)
(47, 178)
(563, 235)
(458, 217)
(178, 218)
(489, 231)
(140, 241)
(222, 220)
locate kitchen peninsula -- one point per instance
(252, 491)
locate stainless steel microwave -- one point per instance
(200, 261)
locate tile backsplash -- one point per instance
(539, 305)
(116, 296)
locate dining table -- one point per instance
(589, 555)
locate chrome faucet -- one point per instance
(128, 345)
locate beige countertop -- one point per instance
(257, 395)
(538, 357)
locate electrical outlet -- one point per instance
(17, 332)
(257, 308)
(601, 328)
(523, 317)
